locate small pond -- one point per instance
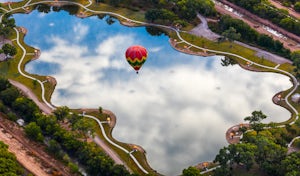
(178, 107)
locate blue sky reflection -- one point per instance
(178, 107)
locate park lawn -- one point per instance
(9, 70)
(132, 14)
(287, 67)
(227, 46)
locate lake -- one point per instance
(2, 1)
(178, 107)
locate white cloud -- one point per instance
(181, 111)
(155, 49)
(80, 31)
(42, 15)
(51, 24)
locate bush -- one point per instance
(34, 132)
(12, 116)
(297, 143)
(297, 6)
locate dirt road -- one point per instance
(28, 93)
(291, 42)
(30, 154)
(291, 11)
(48, 110)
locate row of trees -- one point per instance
(8, 162)
(7, 25)
(168, 12)
(45, 8)
(8, 49)
(267, 11)
(297, 6)
(248, 35)
(180, 11)
(6, 29)
(291, 3)
(296, 62)
(61, 142)
(262, 149)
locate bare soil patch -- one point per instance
(291, 42)
(29, 154)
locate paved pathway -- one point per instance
(43, 107)
(294, 80)
(234, 135)
(50, 107)
(203, 30)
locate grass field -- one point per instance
(9, 70)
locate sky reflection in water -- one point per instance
(178, 107)
(2, 1)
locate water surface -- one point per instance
(2, 1)
(178, 107)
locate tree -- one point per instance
(228, 61)
(9, 50)
(8, 21)
(26, 108)
(269, 155)
(187, 9)
(54, 148)
(163, 15)
(44, 8)
(152, 15)
(191, 171)
(222, 171)
(291, 164)
(297, 6)
(9, 165)
(4, 84)
(255, 120)
(100, 109)
(295, 56)
(114, 2)
(33, 131)
(9, 95)
(242, 153)
(61, 112)
(48, 124)
(231, 34)
(119, 170)
(7, 25)
(83, 126)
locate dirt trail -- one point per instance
(203, 30)
(28, 93)
(43, 107)
(291, 11)
(291, 42)
(30, 154)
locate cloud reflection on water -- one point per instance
(179, 106)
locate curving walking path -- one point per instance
(294, 80)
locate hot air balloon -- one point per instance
(136, 56)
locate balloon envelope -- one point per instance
(136, 56)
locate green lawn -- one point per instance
(9, 70)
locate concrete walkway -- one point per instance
(294, 80)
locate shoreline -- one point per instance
(185, 50)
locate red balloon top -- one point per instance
(136, 52)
